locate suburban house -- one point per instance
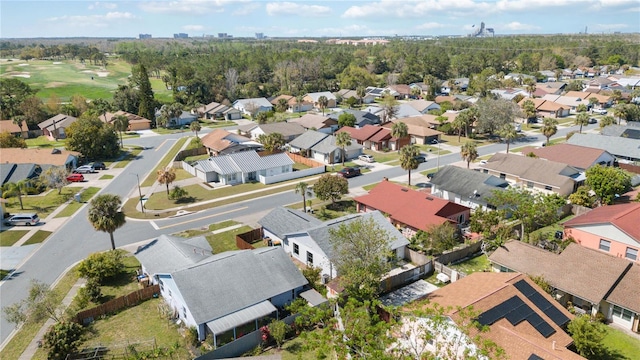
(547, 108)
(603, 100)
(571, 102)
(403, 90)
(222, 142)
(375, 137)
(42, 157)
(136, 122)
(217, 111)
(535, 174)
(185, 118)
(630, 130)
(466, 187)
(362, 117)
(316, 122)
(612, 229)
(314, 98)
(13, 173)
(423, 106)
(421, 86)
(593, 282)
(509, 94)
(251, 107)
(293, 106)
(226, 295)
(323, 148)
(459, 84)
(549, 76)
(519, 78)
(579, 157)
(419, 129)
(289, 131)
(377, 92)
(522, 320)
(621, 147)
(552, 87)
(345, 94)
(54, 127)
(242, 167)
(306, 239)
(12, 128)
(405, 110)
(410, 210)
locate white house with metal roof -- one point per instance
(251, 107)
(323, 148)
(243, 167)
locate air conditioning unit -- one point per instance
(325, 279)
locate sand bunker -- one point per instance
(102, 73)
(22, 75)
(87, 71)
(23, 64)
(57, 63)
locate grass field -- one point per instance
(621, 343)
(226, 241)
(38, 237)
(67, 78)
(8, 238)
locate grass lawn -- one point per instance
(143, 324)
(38, 237)
(106, 177)
(383, 157)
(132, 153)
(44, 142)
(182, 174)
(218, 124)
(433, 149)
(620, 342)
(332, 211)
(72, 207)
(550, 230)
(196, 158)
(300, 166)
(164, 162)
(226, 241)
(453, 140)
(27, 332)
(10, 237)
(212, 227)
(41, 204)
(3, 273)
(478, 263)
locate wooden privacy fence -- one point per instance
(244, 240)
(303, 160)
(458, 254)
(111, 306)
(183, 154)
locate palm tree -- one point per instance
(606, 121)
(121, 123)
(105, 215)
(582, 119)
(343, 139)
(195, 127)
(469, 152)
(17, 188)
(282, 105)
(508, 133)
(323, 102)
(304, 189)
(530, 86)
(408, 159)
(549, 127)
(102, 106)
(399, 130)
(459, 123)
(390, 107)
(271, 142)
(619, 112)
(361, 91)
(166, 176)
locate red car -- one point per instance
(75, 178)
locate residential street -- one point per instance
(76, 238)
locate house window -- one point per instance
(461, 219)
(505, 269)
(296, 249)
(184, 312)
(309, 258)
(503, 176)
(605, 245)
(548, 188)
(622, 313)
(631, 254)
(530, 184)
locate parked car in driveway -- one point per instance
(98, 165)
(75, 178)
(366, 158)
(22, 219)
(599, 111)
(84, 169)
(348, 172)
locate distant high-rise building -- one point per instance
(222, 35)
(144, 36)
(260, 36)
(180, 36)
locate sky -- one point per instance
(330, 18)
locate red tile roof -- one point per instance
(625, 217)
(413, 208)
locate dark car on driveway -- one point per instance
(98, 165)
(349, 172)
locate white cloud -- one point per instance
(191, 7)
(193, 27)
(290, 8)
(246, 9)
(430, 25)
(92, 20)
(102, 5)
(516, 26)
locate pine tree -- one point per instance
(147, 102)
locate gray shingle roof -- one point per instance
(281, 221)
(328, 145)
(257, 101)
(468, 183)
(362, 117)
(244, 161)
(12, 173)
(60, 120)
(170, 253)
(618, 146)
(308, 139)
(284, 128)
(235, 280)
(532, 169)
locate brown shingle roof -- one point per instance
(574, 155)
(133, 118)
(37, 156)
(418, 125)
(309, 121)
(626, 294)
(10, 126)
(580, 271)
(623, 216)
(532, 169)
(216, 140)
(361, 134)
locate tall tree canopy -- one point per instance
(92, 138)
(607, 182)
(105, 215)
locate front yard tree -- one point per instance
(469, 152)
(607, 182)
(399, 130)
(582, 119)
(330, 187)
(346, 119)
(390, 108)
(147, 102)
(508, 133)
(529, 109)
(55, 177)
(493, 114)
(323, 102)
(271, 142)
(8, 140)
(63, 339)
(606, 121)
(343, 139)
(195, 127)
(408, 159)
(105, 215)
(121, 123)
(17, 189)
(587, 336)
(549, 128)
(92, 138)
(166, 176)
(303, 189)
(41, 303)
(360, 253)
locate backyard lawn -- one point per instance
(226, 241)
(202, 231)
(476, 264)
(43, 142)
(622, 343)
